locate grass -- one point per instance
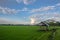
(57, 37)
(24, 33)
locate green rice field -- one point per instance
(25, 33)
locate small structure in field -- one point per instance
(43, 26)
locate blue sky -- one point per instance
(28, 11)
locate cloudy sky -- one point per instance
(28, 11)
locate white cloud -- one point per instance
(32, 20)
(26, 2)
(25, 9)
(58, 4)
(43, 9)
(18, 1)
(4, 20)
(46, 8)
(8, 10)
(45, 16)
(8, 21)
(13, 11)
